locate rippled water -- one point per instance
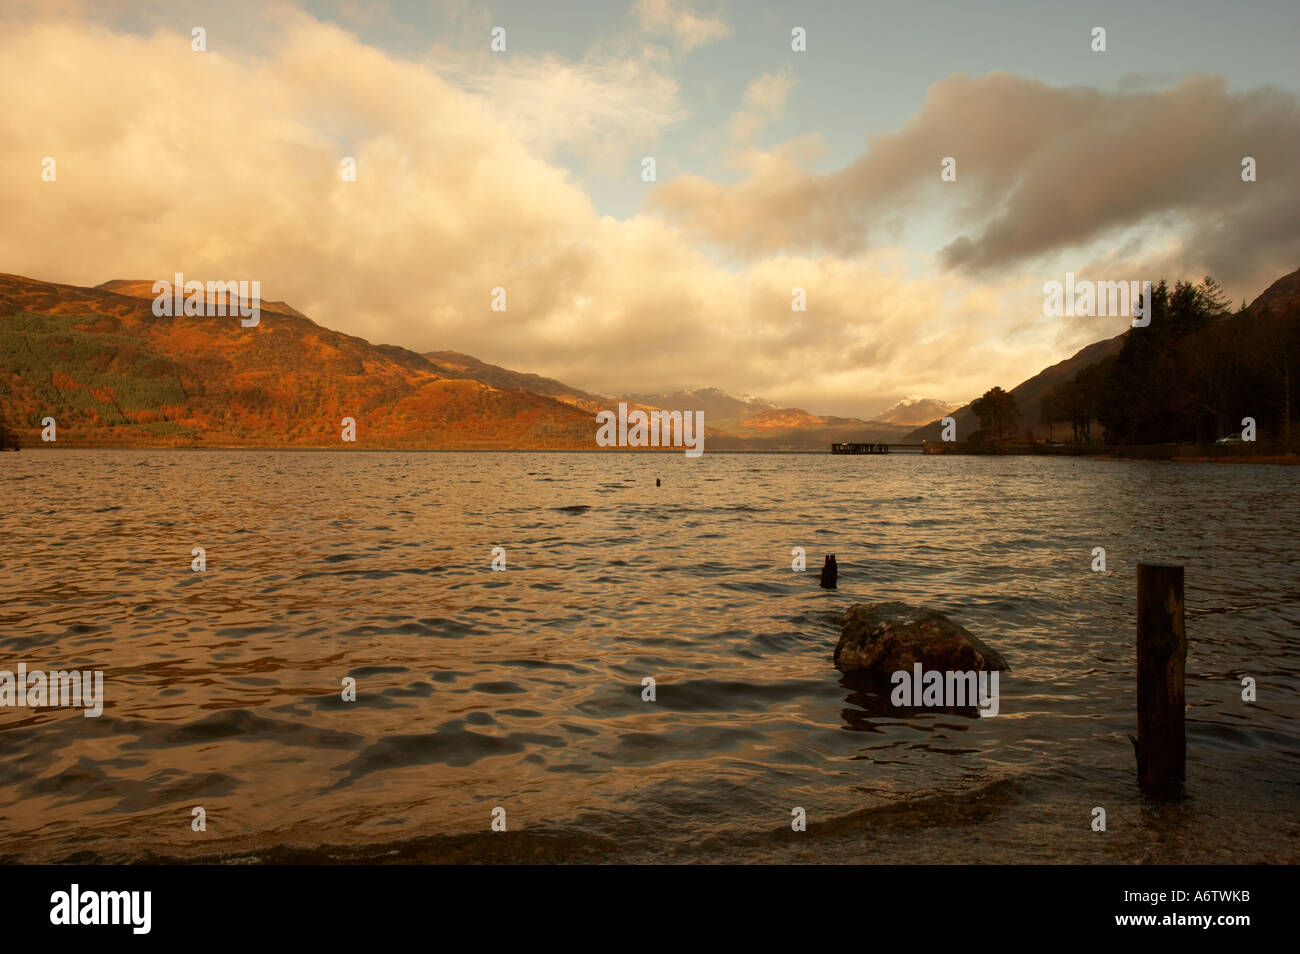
(522, 689)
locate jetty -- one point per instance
(846, 447)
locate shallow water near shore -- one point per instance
(523, 689)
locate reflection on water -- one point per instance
(523, 689)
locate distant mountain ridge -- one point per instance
(715, 403)
(915, 410)
(731, 422)
(793, 428)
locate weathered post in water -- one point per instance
(1162, 655)
(830, 573)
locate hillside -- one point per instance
(457, 365)
(1281, 298)
(1029, 393)
(111, 373)
(1202, 378)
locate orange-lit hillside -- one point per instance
(112, 373)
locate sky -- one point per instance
(775, 169)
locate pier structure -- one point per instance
(848, 447)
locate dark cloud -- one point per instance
(1040, 169)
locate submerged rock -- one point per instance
(882, 638)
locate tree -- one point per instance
(1059, 405)
(1198, 369)
(1211, 299)
(1274, 349)
(997, 413)
(8, 438)
(1087, 387)
(1148, 396)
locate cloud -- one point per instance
(226, 165)
(604, 108)
(767, 93)
(366, 12)
(678, 19)
(764, 99)
(1041, 169)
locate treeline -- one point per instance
(1191, 376)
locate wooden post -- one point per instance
(1161, 655)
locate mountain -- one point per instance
(457, 365)
(913, 411)
(1281, 297)
(1028, 394)
(1225, 366)
(110, 372)
(463, 365)
(716, 404)
(731, 423)
(761, 425)
(792, 428)
(143, 288)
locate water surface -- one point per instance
(523, 689)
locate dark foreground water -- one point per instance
(523, 689)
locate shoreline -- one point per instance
(1273, 459)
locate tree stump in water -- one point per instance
(830, 573)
